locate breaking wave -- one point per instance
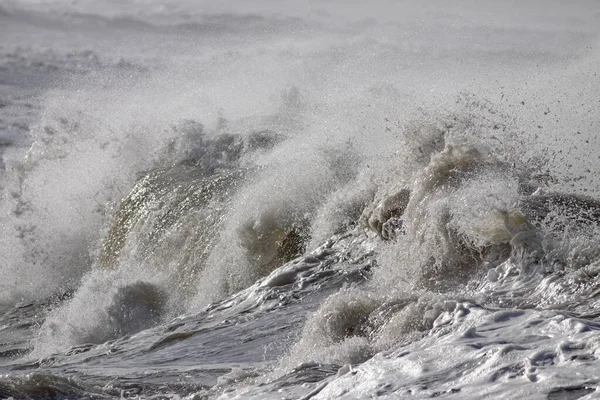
(457, 213)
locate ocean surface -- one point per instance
(299, 199)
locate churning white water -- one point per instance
(299, 199)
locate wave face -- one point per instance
(269, 201)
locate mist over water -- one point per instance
(266, 199)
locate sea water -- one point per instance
(299, 199)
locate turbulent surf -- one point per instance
(266, 201)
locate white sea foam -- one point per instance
(434, 122)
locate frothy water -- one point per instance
(225, 201)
